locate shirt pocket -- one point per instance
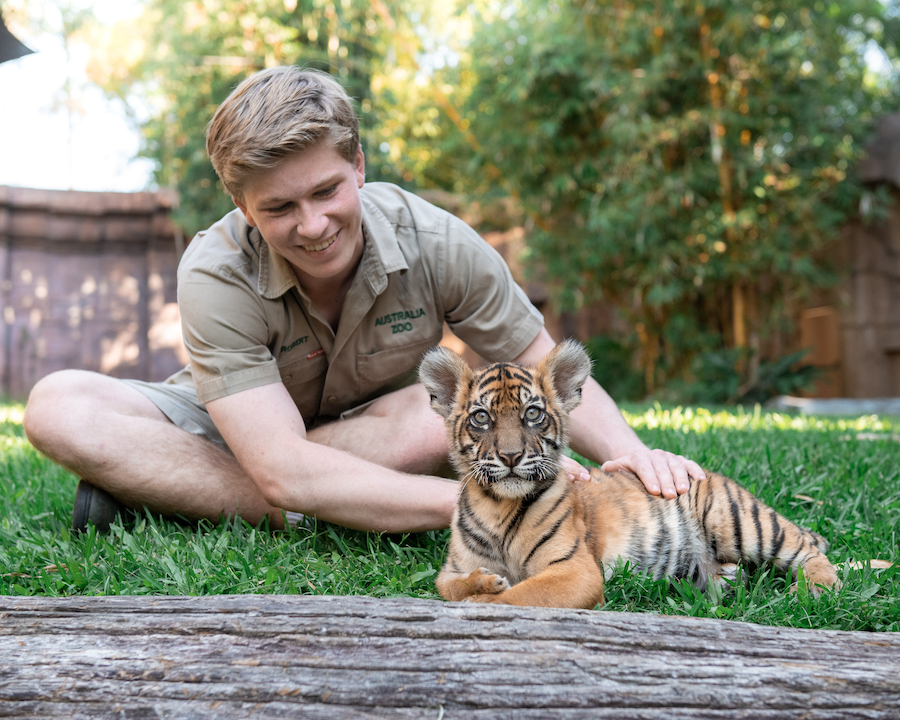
(304, 379)
(388, 370)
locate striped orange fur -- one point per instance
(524, 534)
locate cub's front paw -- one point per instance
(484, 582)
(496, 599)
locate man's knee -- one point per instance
(66, 403)
(44, 410)
(420, 431)
(409, 407)
(400, 402)
(399, 430)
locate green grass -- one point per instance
(840, 477)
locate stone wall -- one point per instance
(87, 280)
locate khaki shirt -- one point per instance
(247, 322)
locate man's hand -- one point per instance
(661, 472)
(576, 471)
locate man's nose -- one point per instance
(311, 224)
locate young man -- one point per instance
(305, 313)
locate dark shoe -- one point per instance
(95, 506)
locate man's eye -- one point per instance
(279, 209)
(326, 192)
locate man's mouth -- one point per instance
(324, 245)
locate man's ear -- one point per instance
(360, 167)
(243, 208)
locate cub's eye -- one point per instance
(533, 414)
(479, 418)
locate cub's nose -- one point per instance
(510, 459)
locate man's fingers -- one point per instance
(694, 470)
(678, 465)
(574, 470)
(640, 465)
(663, 471)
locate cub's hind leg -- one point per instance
(725, 576)
(739, 527)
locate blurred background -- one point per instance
(702, 192)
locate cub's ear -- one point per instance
(441, 372)
(567, 366)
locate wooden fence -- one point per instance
(87, 280)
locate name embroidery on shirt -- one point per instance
(298, 341)
(399, 321)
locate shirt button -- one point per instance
(332, 398)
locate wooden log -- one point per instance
(358, 657)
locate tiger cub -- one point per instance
(524, 534)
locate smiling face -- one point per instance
(307, 209)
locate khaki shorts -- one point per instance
(179, 403)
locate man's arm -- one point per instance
(600, 433)
(267, 435)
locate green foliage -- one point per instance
(687, 161)
(156, 557)
(729, 376)
(613, 368)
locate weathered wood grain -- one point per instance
(357, 657)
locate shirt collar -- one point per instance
(276, 276)
(383, 255)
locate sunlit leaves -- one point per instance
(184, 58)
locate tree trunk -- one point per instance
(359, 657)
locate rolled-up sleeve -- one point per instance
(225, 334)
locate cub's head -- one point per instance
(507, 424)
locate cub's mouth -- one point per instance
(511, 487)
(516, 482)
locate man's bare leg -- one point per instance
(106, 431)
(398, 431)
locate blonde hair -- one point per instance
(274, 113)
